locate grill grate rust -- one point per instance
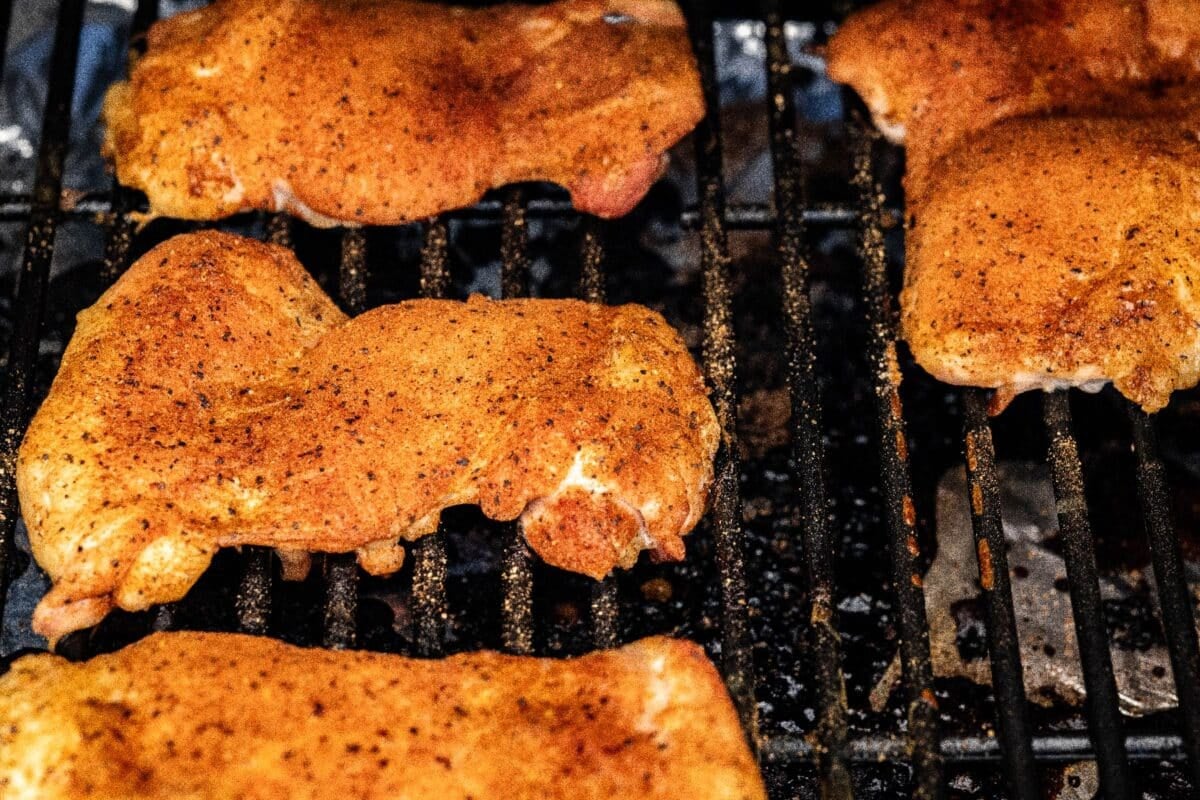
(834, 746)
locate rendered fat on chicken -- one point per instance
(227, 716)
(1051, 187)
(214, 397)
(384, 111)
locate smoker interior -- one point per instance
(805, 579)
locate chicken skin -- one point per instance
(384, 111)
(1052, 181)
(934, 71)
(1061, 252)
(216, 715)
(215, 397)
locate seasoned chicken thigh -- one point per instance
(383, 111)
(210, 715)
(215, 397)
(1052, 186)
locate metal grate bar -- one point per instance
(341, 569)
(429, 552)
(1174, 598)
(1008, 683)
(352, 272)
(252, 605)
(1048, 748)
(340, 630)
(514, 258)
(605, 605)
(1104, 716)
(5, 23)
(435, 257)
(35, 271)
(429, 593)
(164, 618)
(897, 480)
(118, 237)
(516, 570)
(591, 274)
(120, 228)
(720, 366)
(807, 445)
(279, 230)
(738, 217)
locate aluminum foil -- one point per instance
(1045, 626)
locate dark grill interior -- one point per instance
(806, 579)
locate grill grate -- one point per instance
(1173, 595)
(720, 368)
(836, 748)
(991, 548)
(1084, 586)
(897, 483)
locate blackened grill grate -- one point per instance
(841, 751)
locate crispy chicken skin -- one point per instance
(384, 111)
(214, 396)
(1052, 186)
(933, 71)
(210, 715)
(1061, 252)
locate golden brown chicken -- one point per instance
(210, 715)
(932, 71)
(214, 396)
(1052, 177)
(1061, 252)
(383, 111)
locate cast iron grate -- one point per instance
(838, 749)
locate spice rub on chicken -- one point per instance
(1060, 252)
(214, 397)
(385, 111)
(223, 715)
(933, 71)
(1052, 180)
